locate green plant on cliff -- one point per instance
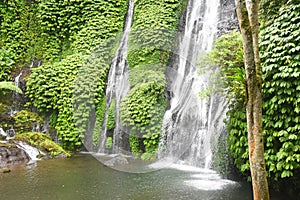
(72, 84)
(143, 109)
(150, 45)
(25, 121)
(280, 58)
(6, 65)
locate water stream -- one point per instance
(118, 84)
(193, 124)
(30, 150)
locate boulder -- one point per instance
(10, 154)
(118, 160)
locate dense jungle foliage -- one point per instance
(76, 41)
(279, 51)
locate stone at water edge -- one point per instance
(5, 170)
(118, 160)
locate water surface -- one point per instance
(84, 177)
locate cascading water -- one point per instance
(118, 84)
(16, 95)
(31, 151)
(192, 124)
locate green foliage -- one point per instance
(153, 32)
(227, 53)
(111, 119)
(143, 108)
(42, 142)
(6, 65)
(19, 29)
(148, 156)
(109, 143)
(100, 110)
(222, 159)
(9, 86)
(50, 88)
(135, 145)
(281, 63)
(26, 120)
(280, 55)
(237, 139)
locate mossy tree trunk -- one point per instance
(247, 13)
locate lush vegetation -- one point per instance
(76, 41)
(151, 39)
(279, 43)
(80, 44)
(280, 54)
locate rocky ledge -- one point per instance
(10, 154)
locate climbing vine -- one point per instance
(143, 108)
(150, 44)
(79, 40)
(280, 55)
(281, 63)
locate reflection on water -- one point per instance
(84, 177)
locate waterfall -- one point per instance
(32, 152)
(192, 124)
(118, 84)
(16, 96)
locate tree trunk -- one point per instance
(249, 25)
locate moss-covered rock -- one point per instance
(25, 121)
(44, 143)
(4, 170)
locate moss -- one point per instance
(109, 143)
(5, 170)
(149, 156)
(43, 142)
(25, 120)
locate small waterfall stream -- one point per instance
(192, 125)
(31, 151)
(118, 84)
(16, 96)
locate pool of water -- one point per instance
(84, 177)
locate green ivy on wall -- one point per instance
(280, 55)
(281, 70)
(143, 108)
(79, 40)
(150, 44)
(50, 88)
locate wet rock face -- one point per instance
(10, 154)
(228, 18)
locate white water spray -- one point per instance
(193, 124)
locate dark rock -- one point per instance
(10, 154)
(228, 18)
